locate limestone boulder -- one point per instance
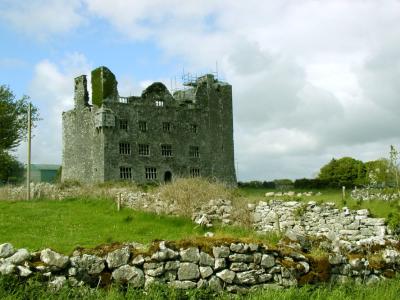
(188, 271)
(221, 252)
(129, 274)
(19, 257)
(172, 265)
(191, 254)
(51, 258)
(206, 272)
(206, 259)
(24, 271)
(246, 278)
(7, 268)
(6, 250)
(220, 263)
(227, 275)
(88, 263)
(118, 258)
(215, 284)
(267, 261)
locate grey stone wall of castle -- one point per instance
(154, 137)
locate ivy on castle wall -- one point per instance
(97, 87)
(104, 85)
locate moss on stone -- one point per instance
(97, 88)
(104, 85)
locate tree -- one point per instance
(378, 173)
(13, 118)
(11, 170)
(13, 129)
(346, 171)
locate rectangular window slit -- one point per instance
(159, 103)
(151, 173)
(142, 126)
(124, 148)
(144, 150)
(166, 150)
(194, 151)
(194, 172)
(193, 128)
(125, 173)
(166, 126)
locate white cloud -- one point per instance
(42, 18)
(51, 90)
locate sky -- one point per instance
(312, 80)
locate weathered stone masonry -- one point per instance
(233, 266)
(154, 137)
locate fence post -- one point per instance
(343, 193)
(28, 165)
(119, 202)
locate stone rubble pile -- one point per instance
(147, 201)
(235, 267)
(368, 194)
(317, 220)
(215, 210)
(292, 194)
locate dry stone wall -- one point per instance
(219, 265)
(318, 220)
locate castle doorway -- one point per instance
(167, 177)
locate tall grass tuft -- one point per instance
(189, 194)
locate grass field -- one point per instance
(11, 289)
(65, 225)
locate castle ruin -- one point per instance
(152, 138)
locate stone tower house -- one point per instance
(151, 138)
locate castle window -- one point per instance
(144, 150)
(194, 151)
(124, 148)
(193, 128)
(125, 173)
(151, 173)
(166, 150)
(194, 172)
(142, 126)
(123, 124)
(166, 126)
(159, 103)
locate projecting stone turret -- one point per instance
(104, 118)
(104, 86)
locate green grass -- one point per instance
(10, 288)
(64, 225)
(67, 224)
